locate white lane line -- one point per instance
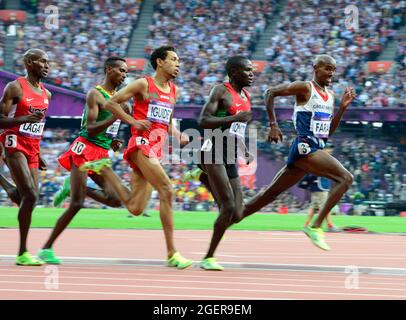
(215, 289)
(261, 283)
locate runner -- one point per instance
(154, 100)
(98, 132)
(23, 97)
(314, 122)
(228, 109)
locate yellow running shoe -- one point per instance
(316, 235)
(27, 260)
(211, 264)
(178, 261)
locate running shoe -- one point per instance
(316, 235)
(192, 175)
(48, 256)
(27, 260)
(178, 261)
(96, 166)
(62, 193)
(211, 264)
(333, 229)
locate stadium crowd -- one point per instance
(206, 32)
(88, 32)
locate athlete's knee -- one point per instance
(30, 197)
(76, 204)
(228, 206)
(166, 192)
(348, 179)
(135, 209)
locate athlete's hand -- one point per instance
(31, 118)
(348, 97)
(249, 157)
(275, 134)
(243, 116)
(116, 144)
(184, 139)
(141, 125)
(42, 164)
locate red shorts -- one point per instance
(151, 149)
(81, 151)
(28, 146)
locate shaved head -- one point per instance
(33, 54)
(324, 59)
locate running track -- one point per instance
(129, 264)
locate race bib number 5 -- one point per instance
(11, 141)
(78, 147)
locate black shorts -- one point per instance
(231, 169)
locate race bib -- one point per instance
(321, 125)
(141, 141)
(78, 147)
(159, 111)
(112, 131)
(33, 130)
(303, 148)
(10, 141)
(238, 129)
(207, 146)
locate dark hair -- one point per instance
(160, 53)
(111, 62)
(233, 63)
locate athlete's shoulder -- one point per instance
(13, 89)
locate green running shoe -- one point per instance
(62, 193)
(48, 256)
(96, 166)
(192, 175)
(316, 235)
(211, 264)
(27, 260)
(178, 261)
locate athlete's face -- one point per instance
(171, 64)
(244, 74)
(39, 65)
(118, 73)
(324, 72)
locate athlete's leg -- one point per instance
(310, 215)
(283, 180)
(10, 189)
(322, 164)
(78, 194)
(222, 190)
(106, 195)
(26, 181)
(153, 172)
(135, 200)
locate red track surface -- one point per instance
(279, 258)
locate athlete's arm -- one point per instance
(95, 99)
(300, 89)
(133, 89)
(348, 97)
(208, 120)
(11, 95)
